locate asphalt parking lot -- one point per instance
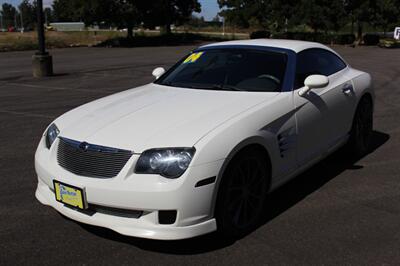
(338, 212)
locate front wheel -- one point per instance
(361, 131)
(242, 194)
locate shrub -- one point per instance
(260, 34)
(304, 36)
(317, 37)
(371, 39)
(345, 39)
(159, 40)
(389, 43)
(324, 38)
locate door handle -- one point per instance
(348, 90)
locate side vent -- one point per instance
(286, 142)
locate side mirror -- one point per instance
(313, 82)
(157, 72)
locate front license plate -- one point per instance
(70, 195)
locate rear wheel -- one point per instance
(361, 132)
(241, 198)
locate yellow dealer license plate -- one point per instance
(70, 195)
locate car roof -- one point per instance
(296, 46)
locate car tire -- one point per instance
(242, 194)
(361, 130)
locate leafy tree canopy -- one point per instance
(8, 14)
(126, 13)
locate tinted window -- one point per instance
(229, 69)
(316, 61)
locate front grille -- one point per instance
(91, 160)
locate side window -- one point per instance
(316, 61)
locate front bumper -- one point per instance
(128, 191)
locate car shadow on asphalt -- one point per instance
(278, 202)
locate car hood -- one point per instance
(155, 116)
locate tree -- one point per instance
(322, 14)
(279, 14)
(28, 13)
(215, 19)
(336, 15)
(246, 13)
(359, 12)
(63, 10)
(48, 15)
(271, 15)
(195, 21)
(128, 15)
(9, 14)
(121, 13)
(168, 12)
(313, 14)
(285, 14)
(385, 13)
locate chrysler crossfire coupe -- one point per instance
(199, 149)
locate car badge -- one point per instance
(84, 146)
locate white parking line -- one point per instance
(26, 114)
(55, 88)
(14, 71)
(37, 86)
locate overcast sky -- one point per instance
(209, 7)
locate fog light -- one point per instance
(167, 217)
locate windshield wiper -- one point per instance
(230, 87)
(216, 87)
(203, 86)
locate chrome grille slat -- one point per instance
(102, 160)
(84, 169)
(99, 159)
(94, 161)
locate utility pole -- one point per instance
(286, 24)
(42, 61)
(22, 22)
(223, 26)
(1, 18)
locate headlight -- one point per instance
(168, 162)
(51, 135)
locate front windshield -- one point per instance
(229, 69)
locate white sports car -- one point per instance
(198, 149)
